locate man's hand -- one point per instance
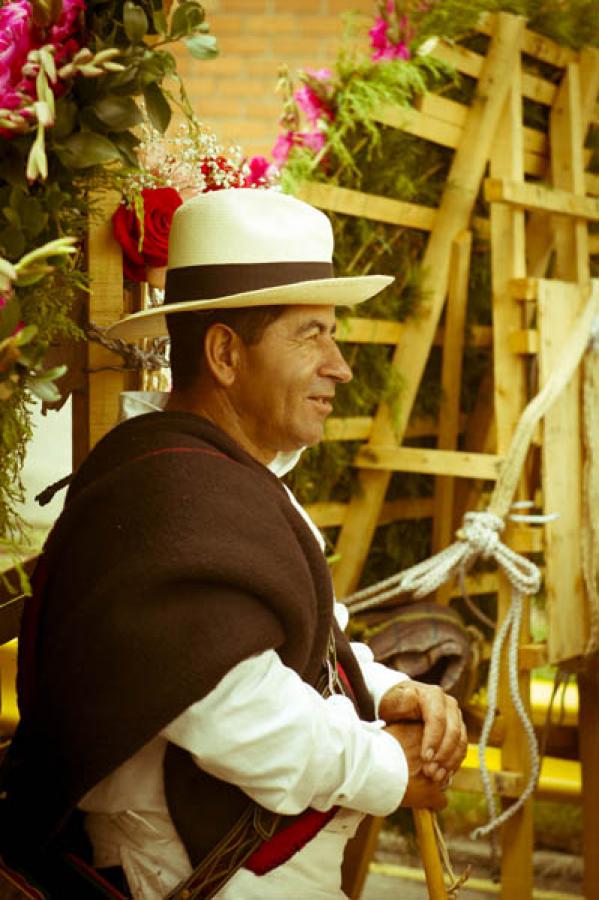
(444, 738)
(421, 792)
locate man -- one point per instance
(183, 683)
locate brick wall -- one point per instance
(235, 93)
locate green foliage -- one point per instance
(50, 168)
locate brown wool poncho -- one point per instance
(177, 556)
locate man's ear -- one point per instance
(221, 352)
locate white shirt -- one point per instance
(266, 731)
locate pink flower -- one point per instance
(16, 40)
(319, 74)
(259, 168)
(282, 146)
(311, 104)
(313, 140)
(383, 48)
(65, 34)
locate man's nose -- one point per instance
(336, 367)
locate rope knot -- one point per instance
(481, 531)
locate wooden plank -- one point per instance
(349, 428)
(369, 206)
(534, 44)
(524, 341)
(368, 331)
(540, 232)
(558, 307)
(417, 123)
(429, 462)
(410, 357)
(470, 63)
(358, 854)
(329, 514)
(104, 264)
(591, 183)
(593, 244)
(524, 195)
(508, 262)
(451, 378)
(567, 170)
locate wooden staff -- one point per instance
(429, 853)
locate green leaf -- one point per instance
(26, 335)
(45, 390)
(159, 21)
(187, 17)
(85, 149)
(10, 316)
(33, 216)
(127, 142)
(12, 243)
(202, 46)
(51, 374)
(64, 122)
(157, 107)
(135, 22)
(117, 113)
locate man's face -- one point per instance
(287, 380)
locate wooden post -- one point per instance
(412, 352)
(451, 380)
(96, 410)
(508, 261)
(429, 853)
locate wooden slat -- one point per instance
(369, 206)
(349, 428)
(368, 331)
(441, 121)
(412, 352)
(593, 244)
(470, 63)
(508, 262)
(330, 514)
(451, 378)
(429, 462)
(558, 306)
(591, 182)
(105, 268)
(524, 341)
(534, 44)
(525, 195)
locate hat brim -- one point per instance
(324, 292)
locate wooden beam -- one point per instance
(524, 195)
(429, 462)
(470, 63)
(368, 206)
(105, 268)
(453, 216)
(451, 379)
(329, 514)
(524, 341)
(534, 44)
(368, 331)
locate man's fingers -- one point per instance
(432, 704)
(450, 747)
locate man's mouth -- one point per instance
(324, 403)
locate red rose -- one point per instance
(159, 205)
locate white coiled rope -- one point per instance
(479, 537)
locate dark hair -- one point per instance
(188, 330)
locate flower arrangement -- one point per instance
(171, 170)
(77, 78)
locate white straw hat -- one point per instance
(248, 247)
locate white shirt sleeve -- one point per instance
(265, 730)
(377, 677)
